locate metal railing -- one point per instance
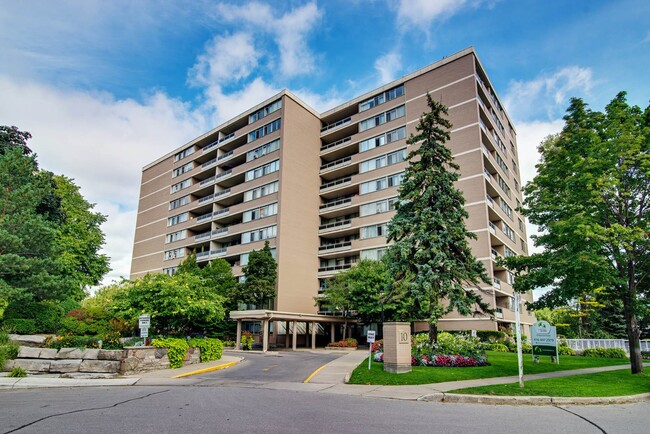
(226, 173)
(336, 182)
(204, 217)
(334, 144)
(335, 163)
(583, 344)
(335, 246)
(336, 203)
(336, 124)
(226, 155)
(335, 224)
(207, 181)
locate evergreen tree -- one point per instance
(430, 258)
(261, 276)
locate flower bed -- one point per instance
(344, 343)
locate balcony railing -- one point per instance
(496, 282)
(336, 182)
(334, 144)
(203, 236)
(335, 246)
(495, 255)
(336, 267)
(492, 228)
(224, 174)
(207, 181)
(202, 256)
(220, 251)
(335, 163)
(498, 313)
(490, 201)
(221, 193)
(210, 146)
(220, 231)
(487, 175)
(221, 212)
(206, 198)
(336, 124)
(228, 137)
(226, 155)
(336, 203)
(335, 224)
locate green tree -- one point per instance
(591, 200)
(363, 289)
(430, 258)
(78, 240)
(261, 276)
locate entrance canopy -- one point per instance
(265, 316)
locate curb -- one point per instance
(204, 370)
(531, 400)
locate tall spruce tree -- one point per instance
(261, 275)
(591, 201)
(430, 257)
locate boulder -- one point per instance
(30, 340)
(48, 353)
(99, 366)
(110, 355)
(65, 365)
(91, 354)
(28, 352)
(32, 365)
(71, 353)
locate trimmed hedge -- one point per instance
(211, 349)
(609, 353)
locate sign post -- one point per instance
(371, 340)
(520, 362)
(544, 340)
(144, 321)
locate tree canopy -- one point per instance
(430, 258)
(591, 200)
(261, 276)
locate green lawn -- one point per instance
(612, 383)
(501, 365)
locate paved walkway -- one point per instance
(332, 378)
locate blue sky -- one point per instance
(106, 87)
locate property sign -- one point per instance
(144, 333)
(371, 336)
(144, 321)
(543, 339)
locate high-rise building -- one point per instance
(320, 187)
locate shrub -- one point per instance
(378, 346)
(247, 340)
(645, 354)
(490, 335)
(564, 350)
(176, 350)
(8, 349)
(71, 341)
(344, 343)
(112, 341)
(45, 314)
(69, 304)
(211, 349)
(17, 371)
(457, 344)
(229, 343)
(609, 353)
(526, 348)
(499, 348)
(20, 326)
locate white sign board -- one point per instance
(371, 336)
(144, 333)
(543, 338)
(144, 321)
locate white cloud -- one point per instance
(388, 66)
(228, 105)
(226, 59)
(422, 13)
(547, 95)
(102, 143)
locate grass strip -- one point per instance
(501, 365)
(602, 384)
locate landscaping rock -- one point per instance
(65, 365)
(28, 352)
(71, 353)
(32, 365)
(110, 355)
(30, 340)
(99, 366)
(48, 353)
(88, 376)
(92, 354)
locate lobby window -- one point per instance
(181, 185)
(262, 191)
(263, 150)
(175, 236)
(177, 203)
(380, 119)
(265, 130)
(261, 212)
(183, 169)
(180, 218)
(389, 137)
(382, 98)
(258, 172)
(184, 153)
(261, 113)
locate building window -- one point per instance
(381, 119)
(506, 209)
(184, 153)
(175, 236)
(382, 98)
(502, 164)
(277, 105)
(175, 254)
(181, 185)
(183, 169)
(381, 183)
(373, 254)
(503, 185)
(510, 278)
(170, 271)
(259, 234)
(509, 252)
(259, 213)
(389, 137)
(263, 150)
(378, 207)
(374, 231)
(384, 160)
(262, 191)
(523, 244)
(180, 218)
(521, 225)
(265, 130)
(508, 231)
(243, 258)
(177, 203)
(258, 172)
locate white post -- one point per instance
(520, 361)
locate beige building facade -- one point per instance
(320, 187)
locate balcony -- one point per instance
(335, 144)
(498, 313)
(204, 217)
(223, 175)
(220, 231)
(496, 282)
(218, 252)
(489, 201)
(336, 124)
(207, 181)
(226, 155)
(495, 255)
(335, 267)
(336, 203)
(203, 236)
(336, 163)
(487, 175)
(208, 163)
(205, 199)
(340, 224)
(492, 228)
(346, 245)
(222, 193)
(221, 212)
(203, 256)
(336, 182)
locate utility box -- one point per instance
(397, 347)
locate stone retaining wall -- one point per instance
(131, 360)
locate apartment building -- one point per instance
(321, 187)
